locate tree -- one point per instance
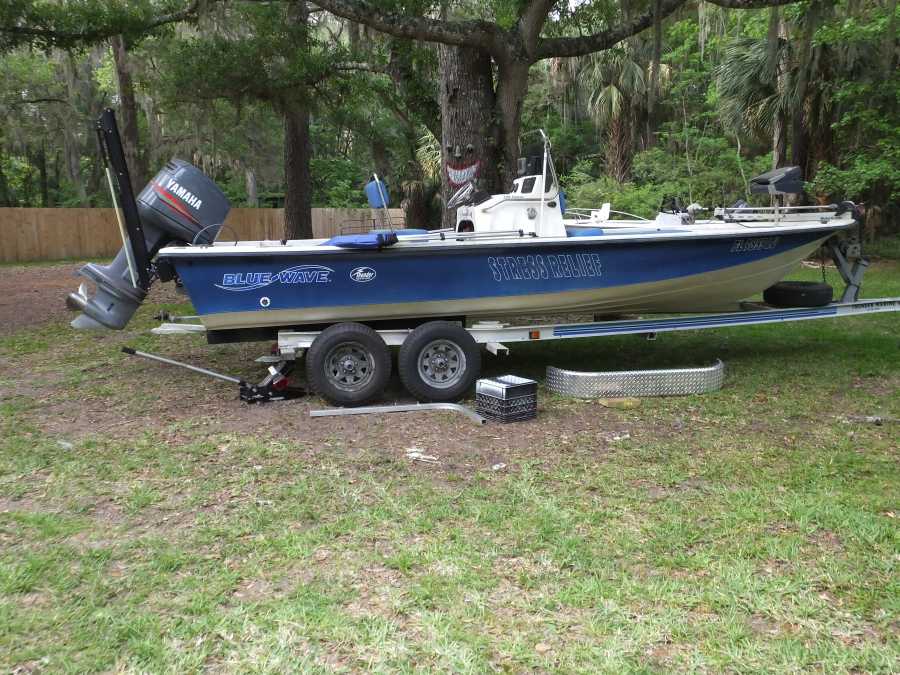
(77, 26)
(619, 87)
(514, 45)
(268, 53)
(780, 86)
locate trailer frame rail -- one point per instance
(494, 334)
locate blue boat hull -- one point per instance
(280, 288)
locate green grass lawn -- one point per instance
(750, 530)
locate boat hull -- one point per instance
(233, 291)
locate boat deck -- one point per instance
(612, 232)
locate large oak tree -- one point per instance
(536, 32)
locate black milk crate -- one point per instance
(506, 399)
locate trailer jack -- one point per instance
(275, 386)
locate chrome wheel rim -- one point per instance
(441, 364)
(349, 366)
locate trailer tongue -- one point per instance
(180, 204)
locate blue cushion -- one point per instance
(368, 240)
(584, 231)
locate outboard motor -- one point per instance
(181, 204)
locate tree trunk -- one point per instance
(71, 126)
(129, 112)
(415, 204)
(777, 33)
(512, 86)
(57, 175)
(381, 157)
(619, 144)
(469, 148)
(889, 42)
(250, 183)
(5, 196)
(655, 65)
(153, 154)
(804, 119)
(297, 176)
(40, 158)
(297, 148)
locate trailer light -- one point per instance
(280, 384)
(534, 335)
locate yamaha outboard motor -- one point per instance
(181, 204)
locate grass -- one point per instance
(749, 530)
(887, 247)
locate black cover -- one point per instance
(787, 180)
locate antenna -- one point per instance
(543, 180)
(384, 201)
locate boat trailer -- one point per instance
(494, 336)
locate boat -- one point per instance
(342, 302)
(516, 253)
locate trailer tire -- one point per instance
(439, 361)
(348, 364)
(798, 294)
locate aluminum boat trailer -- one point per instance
(493, 335)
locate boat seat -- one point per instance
(584, 231)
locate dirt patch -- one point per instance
(657, 492)
(34, 295)
(767, 627)
(182, 407)
(31, 296)
(21, 505)
(826, 540)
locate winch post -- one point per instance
(847, 256)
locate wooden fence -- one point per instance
(58, 234)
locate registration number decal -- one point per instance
(754, 244)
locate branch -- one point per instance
(174, 17)
(532, 21)
(360, 66)
(39, 29)
(27, 101)
(463, 33)
(579, 46)
(588, 44)
(751, 4)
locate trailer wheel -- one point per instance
(439, 361)
(348, 364)
(798, 294)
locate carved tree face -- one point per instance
(462, 165)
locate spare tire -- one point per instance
(798, 294)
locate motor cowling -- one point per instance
(180, 205)
(184, 203)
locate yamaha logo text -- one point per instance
(185, 195)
